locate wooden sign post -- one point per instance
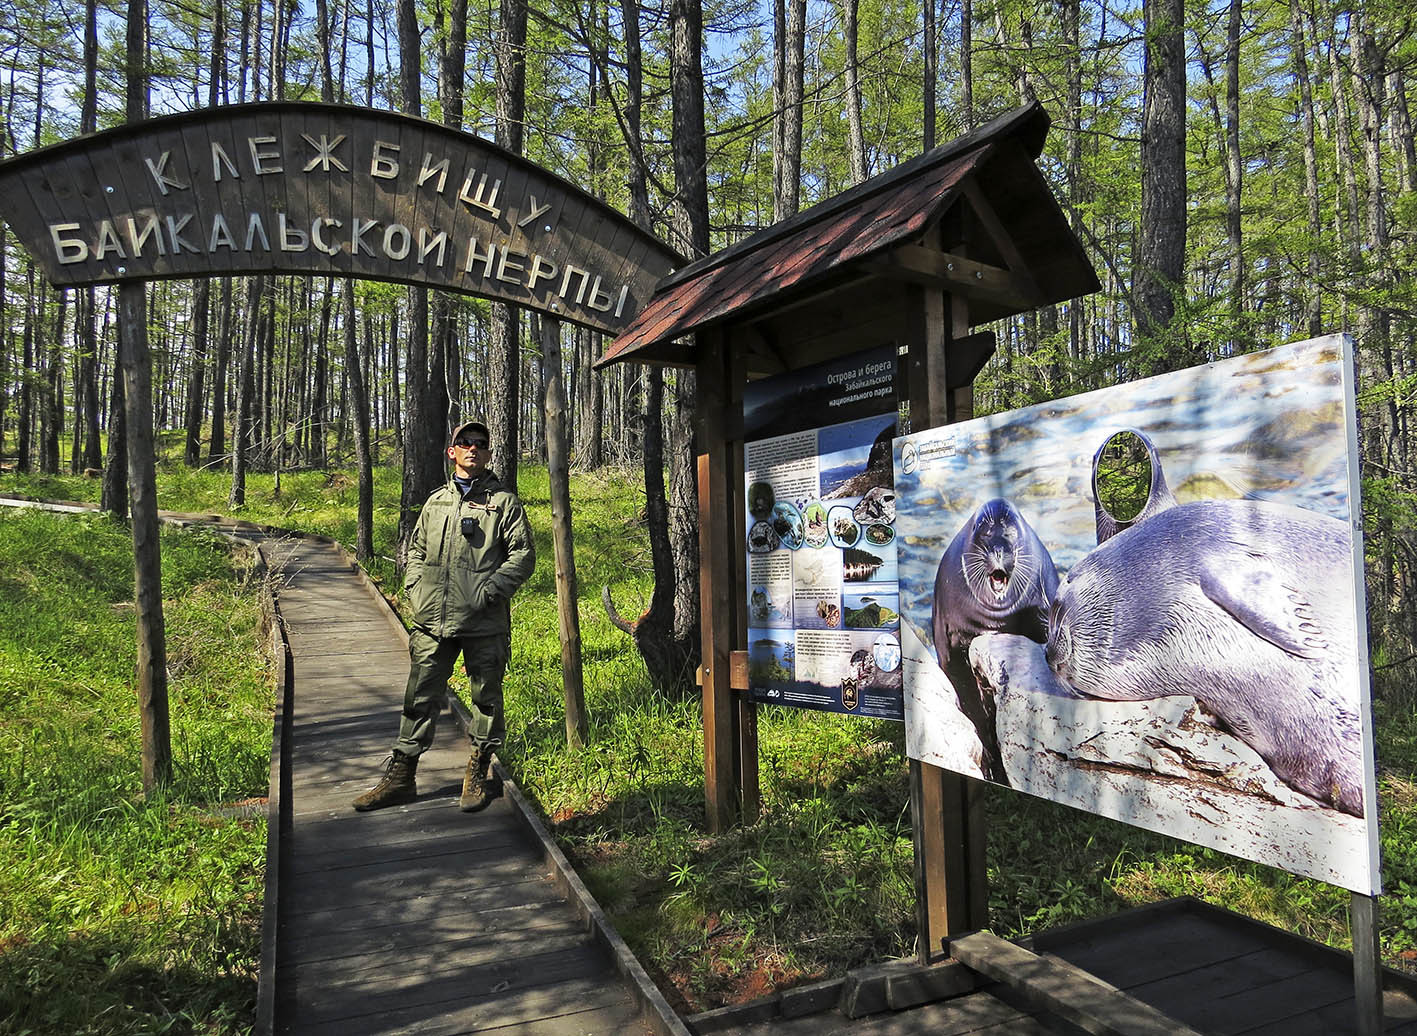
(572, 681)
(136, 361)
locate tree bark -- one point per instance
(136, 361)
(217, 448)
(1313, 302)
(1404, 144)
(789, 161)
(195, 399)
(452, 69)
(1072, 19)
(113, 498)
(504, 341)
(364, 459)
(27, 375)
(966, 61)
(1162, 246)
(668, 633)
(425, 396)
(634, 106)
(1234, 166)
(856, 148)
(686, 80)
(52, 416)
(246, 390)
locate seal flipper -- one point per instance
(979, 709)
(1248, 587)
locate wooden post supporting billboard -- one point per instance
(947, 808)
(717, 584)
(1367, 964)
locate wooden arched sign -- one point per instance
(327, 190)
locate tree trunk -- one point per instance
(1313, 305)
(856, 149)
(425, 396)
(113, 498)
(931, 73)
(595, 383)
(1234, 166)
(53, 414)
(634, 105)
(686, 81)
(667, 634)
(27, 374)
(246, 389)
(504, 342)
(320, 387)
(789, 162)
(1404, 144)
(1072, 18)
(89, 402)
(364, 459)
(195, 399)
(966, 61)
(223, 361)
(1162, 246)
(1346, 201)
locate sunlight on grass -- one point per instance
(121, 913)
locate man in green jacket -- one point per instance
(470, 551)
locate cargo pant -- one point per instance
(431, 662)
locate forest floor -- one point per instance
(124, 912)
(822, 883)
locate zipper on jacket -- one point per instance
(443, 582)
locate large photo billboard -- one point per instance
(1147, 602)
(823, 607)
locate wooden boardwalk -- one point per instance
(415, 918)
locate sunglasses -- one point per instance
(472, 444)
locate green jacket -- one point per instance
(460, 582)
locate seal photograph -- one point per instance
(996, 576)
(1147, 602)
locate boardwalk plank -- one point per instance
(586, 1009)
(407, 935)
(975, 1013)
(494, 995)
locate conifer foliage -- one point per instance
(1242, 174)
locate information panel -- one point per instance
(823, 602)
(1147, 602)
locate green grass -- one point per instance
(119, 912)
(823, 882)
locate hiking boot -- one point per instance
(478, 787)
(395, 788)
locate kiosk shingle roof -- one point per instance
(840, 236)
